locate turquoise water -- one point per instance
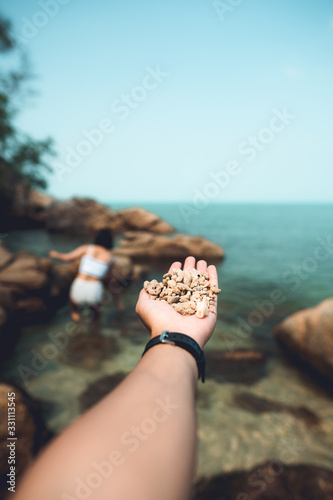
(262, 244)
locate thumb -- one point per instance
(142, 300)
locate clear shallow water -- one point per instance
(262, 244)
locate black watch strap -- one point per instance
(183, 341)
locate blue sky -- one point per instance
(194, 100)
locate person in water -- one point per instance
(139, 441)
(96, 261)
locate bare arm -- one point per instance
(75, 254)
(140, 440)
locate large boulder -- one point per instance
(24, 208)
(5, 256)
(84, 216)
(24, 272)
(144, 245)
(141, 220)
(79, 216)
(30, 432)
(309, 335)
(31, 290)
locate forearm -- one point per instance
(141, 437)
(59, 255)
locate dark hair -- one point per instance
(104, 238)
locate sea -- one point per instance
(278, 260)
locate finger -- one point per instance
(212, 274)
(202, 266)
(189, 263)
(175, 265)
(213, 279)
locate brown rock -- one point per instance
(29, 429)
(309, 335)
(6, 298)
(78, 216)
(36, 205)
(242, 366)
(84, 216)
(39, 201)
(62, 276)
(142, 220)
(23, 272)
(31, 305)
(8, 332)
(5, 256)
(122, 267)
(88, 349)
(3, 316)
(269, 481)
(144, 245)
(258, 404)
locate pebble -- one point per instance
(187, 291)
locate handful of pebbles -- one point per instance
(188, 291)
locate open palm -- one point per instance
(158, 316)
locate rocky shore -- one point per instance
(32, 288)
(237, 397)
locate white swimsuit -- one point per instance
(91, 266)
(89, 292)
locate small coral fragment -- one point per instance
(188, 292)
(202, 309)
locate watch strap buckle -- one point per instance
(164, 338)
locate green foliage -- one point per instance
(23, 160)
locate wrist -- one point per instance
(170, 364)
(182, 341)
(201, 343)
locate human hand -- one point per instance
(53, 254)
(158, 316)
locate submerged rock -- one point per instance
(30, 431)
(144, 245)
(88, 350)
(308, 334)
(242, 366)
(270, 481)
(259, 404)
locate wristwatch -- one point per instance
(183, 341)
